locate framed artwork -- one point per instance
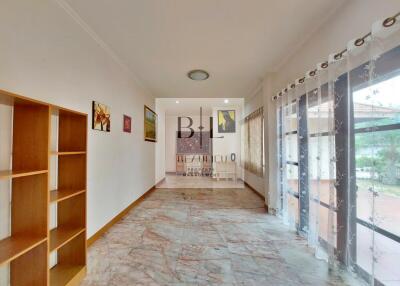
(150, 125)
(226, 121)
(127, 123)
(101, 118)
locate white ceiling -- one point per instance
(236, 41)
(191, 106)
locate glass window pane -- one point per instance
(321, 170)
(325, 228)
(292, 175)
(319, 123)
(291, 148)
(387, 253)
(378, 104)
(378, 170)
(290, 117)
(293, 204)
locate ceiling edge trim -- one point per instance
(85, 26)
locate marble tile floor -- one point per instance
(204, 237)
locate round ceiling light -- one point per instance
(198, 75)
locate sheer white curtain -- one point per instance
(254, 142)
(339, 156)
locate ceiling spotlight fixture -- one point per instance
(177, 102)
(226, 100)
(198, 75)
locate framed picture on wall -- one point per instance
(226, 121)
(150, 125)
(127, 124)
(101, 117)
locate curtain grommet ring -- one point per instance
(293, 85)
(388, 22)
(359, 42)
(312, 73)
(338, 56)
(324, 65)
(301, 80)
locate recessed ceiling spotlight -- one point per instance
(198, 75)
(226, 100)
(177, 102)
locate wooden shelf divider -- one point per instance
(9, 174)
(62, 235)
(60, 195)
(14, 246)
(68, 153)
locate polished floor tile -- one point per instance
(181, 182)
(205, 237)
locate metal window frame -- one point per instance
(387, 67)
(302, 139)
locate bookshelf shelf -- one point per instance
(68, 153)
(60, 195)
(61, 275)
(62, 235)
(9, 174)
(13, 247)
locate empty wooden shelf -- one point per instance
(62, 275)
(71, 262)
(60, 195)
(13, 247)
(62, 235)
(69, 153)
(9, 174)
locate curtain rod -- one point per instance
(388, 22)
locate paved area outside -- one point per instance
(205, 237)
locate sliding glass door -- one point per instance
(376, 109)
(339, 156)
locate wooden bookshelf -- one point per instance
(30, 242)
(25, 250)
(69, 237)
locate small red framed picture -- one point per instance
(127, 124)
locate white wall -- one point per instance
(352, 20)
(160, 145)
(45, 55)
(250, 105)
(171, 127)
